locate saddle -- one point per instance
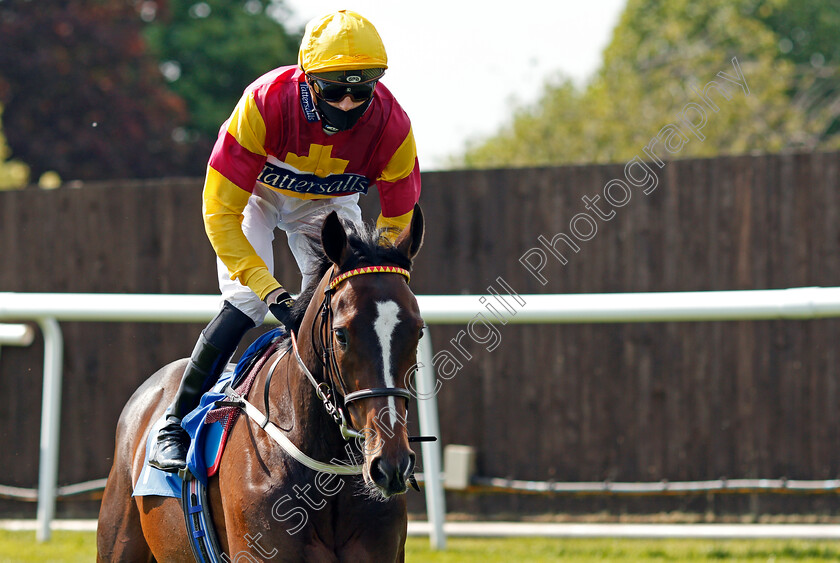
(207, 425)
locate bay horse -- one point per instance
(266, 506)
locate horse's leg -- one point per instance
(252, 523)
(125, 527)
(378, 532)
(119, 536)
(164, 529)
(161, 518)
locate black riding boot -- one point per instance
(216, 345)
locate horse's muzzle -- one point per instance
(389, 477)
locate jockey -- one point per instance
(302, 141)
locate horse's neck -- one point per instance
(304, 414)
(310, 417)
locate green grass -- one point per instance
(540, 550)
(63, 547)
(70, 547)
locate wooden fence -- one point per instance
(676, 401)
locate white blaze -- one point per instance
(383, 326)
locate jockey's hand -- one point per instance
(280, 304)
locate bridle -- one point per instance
(328, 390)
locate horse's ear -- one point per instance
(334, 238)
(411, 239)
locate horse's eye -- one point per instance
(341, 337)
(422, 331)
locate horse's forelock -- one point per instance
(366, 250)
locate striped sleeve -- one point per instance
(391, 227)
(399, 184)
(235, 163)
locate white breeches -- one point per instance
(265, 211)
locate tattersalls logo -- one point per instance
(307, 104)
(279, 178)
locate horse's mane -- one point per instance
(367, 249)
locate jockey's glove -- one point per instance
(280, 304)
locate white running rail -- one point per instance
(47, 309)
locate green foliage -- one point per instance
(84, 90)
(807, 29)
(82, 97)
(13, 174)
(661, 54)
(809, 32)
(211, 50)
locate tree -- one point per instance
(211, 50)
(12, 174)
(83, 97)
(808, 32)
(662, 54)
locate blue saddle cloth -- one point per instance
(205, 438)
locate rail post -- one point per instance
(427, 412)
(50, 424)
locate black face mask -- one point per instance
(338, 120)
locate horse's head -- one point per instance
(370, 326)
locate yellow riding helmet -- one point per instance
(343, 40)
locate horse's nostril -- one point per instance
(379, 471)
(409, 470)
(392, 477)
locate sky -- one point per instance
(460, 67)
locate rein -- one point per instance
(277, 435)
(322, 390)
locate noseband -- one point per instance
(327, 390)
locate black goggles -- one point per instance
(331, 91)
